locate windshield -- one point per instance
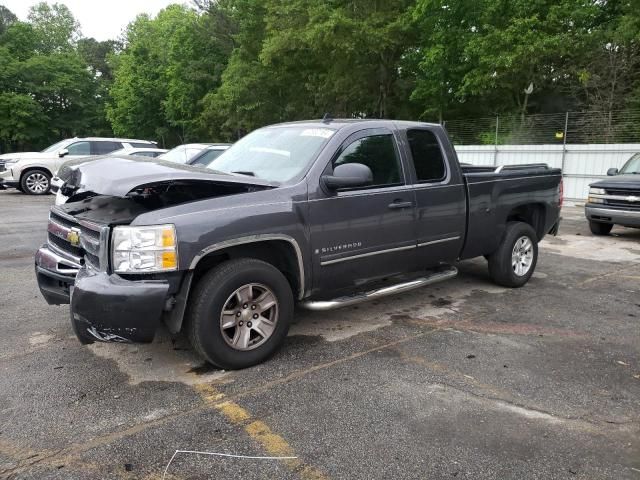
(632, 165)
(56, 146)
(277, 154)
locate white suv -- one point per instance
(31, 172)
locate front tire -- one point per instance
(35, 182)
(240, 313)
(513, 263)
(598, 228)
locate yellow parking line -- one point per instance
(233, 412)
(259, 431)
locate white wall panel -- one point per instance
(583, 164)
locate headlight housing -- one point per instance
(11, 161)
(596, 191)
(144, 249)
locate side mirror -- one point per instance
(349, 175)
(63, 152)
(612, 171)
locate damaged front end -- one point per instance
(154, 183)
(76, 267)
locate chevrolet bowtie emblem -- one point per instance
(73, 237)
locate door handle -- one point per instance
(397, 204)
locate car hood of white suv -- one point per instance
(19, 155)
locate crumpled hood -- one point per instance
(630, 181)
(118, 176)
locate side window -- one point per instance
(79, 148)
(141, 145)
(207, 157)
(427, 156)
(377, 152)
(103, 148)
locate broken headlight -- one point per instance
(145, 249)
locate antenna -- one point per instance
(327, 118)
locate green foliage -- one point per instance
(7, 18)
(297, 59)
(224, 67)
(167, 66)
(21, 118)
(50, 88)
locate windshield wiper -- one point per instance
(247, 174)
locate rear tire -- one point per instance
(598, 228)
(513, 263)
(35, 182)
(240, 313)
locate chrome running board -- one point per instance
(435, 277)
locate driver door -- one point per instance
(362, 234)
(76, 150)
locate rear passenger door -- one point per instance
(100, 147)
(440, 197)
(364, 233)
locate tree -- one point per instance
(55, 27)
(96, 55)
(297, 59)
(22, 121)
(7, 18)
(49, 88)
(168, 64)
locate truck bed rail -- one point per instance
(504, 168)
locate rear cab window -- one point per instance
(428, 160)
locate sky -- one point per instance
(100, 19)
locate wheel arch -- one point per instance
(533, 214)
(30, 168)
(281, 251)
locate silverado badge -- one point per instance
(73, 237)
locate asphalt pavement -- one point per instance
(461, 380)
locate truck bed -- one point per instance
(497, 195)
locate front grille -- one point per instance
(2, 166)
(63, 229)
(629, 199)
(611, 191)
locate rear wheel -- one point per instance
(513, 263)
(240, 313)
(35, 182)
(598, 228)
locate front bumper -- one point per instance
(55, 275)
(603, 214)
(7, 180)
(104, 307)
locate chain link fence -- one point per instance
(611, 127)
(583, 145)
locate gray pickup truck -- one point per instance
(323, 213)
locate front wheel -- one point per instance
(35, 182)
(240, 313)
(513, 263)
(598, 228)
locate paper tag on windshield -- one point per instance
(317, 132)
